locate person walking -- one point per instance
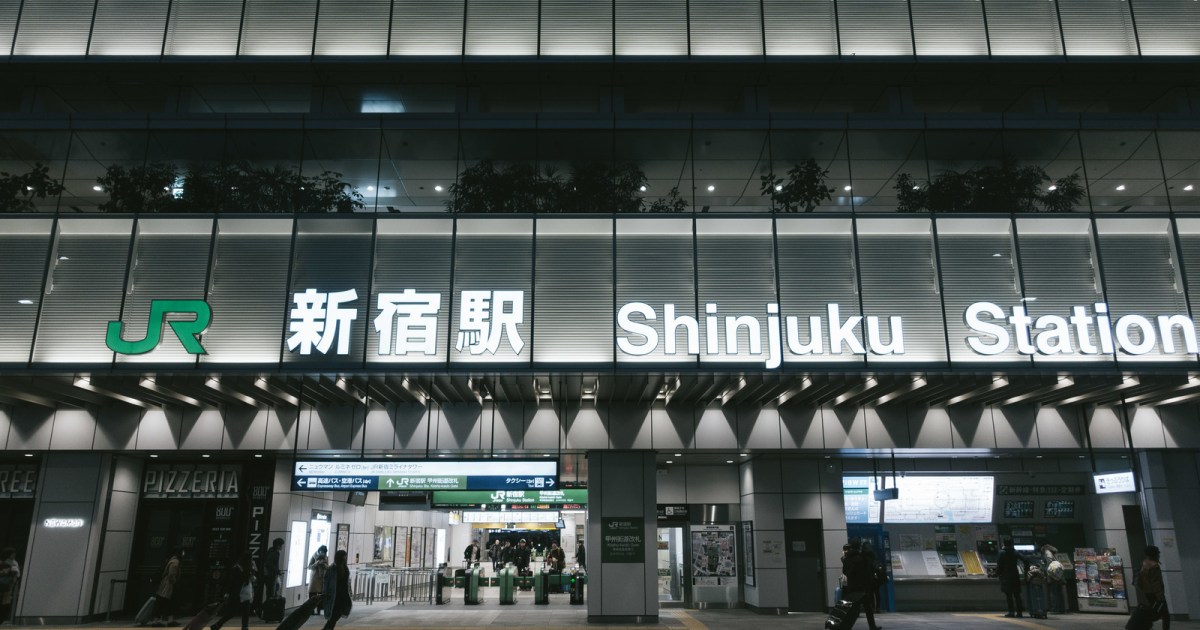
(1009, 571)
(239, 592)
(318, 564)
(878, 576)
(1151, 588)
(521, 558)
(581, 555)
(556, 559)
(164, 595)
(9, 572)
(860, 579)
(472, 554)
(270, 569)
(337, 590)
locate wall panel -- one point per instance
(353, 27)
(502, 27)
(128, 27)
(949, 27)
(726, 27)
(576, 27)
(800, 27)
(278, 27)
(874, 27)
(1168, 27)
(54, 27)
(1024, 28)
(427, 27)
(24, 245)
(204, 27)
(651, 27)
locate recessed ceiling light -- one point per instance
(545, 454)
(778, 187)
(670, 461)
(64, 258)
(369, 188)
(388, 455)
(336, 455)
(441, 454)
(745, 454)
(1189, 188)
(97, 188)
(642, 188)
(916, 188)
(438, 188)
(995, 255)
(678, 454)
(1052, 188)
(25, 302)
(28, 454)
(258, 456)
(729, 461)
(1121, 187)
(711, 188)
(846, 188)
(206, 456)
(29, 188)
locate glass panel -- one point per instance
(417, 171)
(83, 291)
(574, 291)
(348, 158)
(1189, 258)
(979, 264)
(54, 27)
(817, 273)
(874, 27)
(1181, 161)
(1023, 28)
(1168, 27)
(1056, 153)
(877, 159)
(1097, 27)
(128, 27)
(1123, 171)
(829, 150)
(411, 255)
(576, 27)
(170, 262)
(24, 245)
(502, 27)
(204, 27)
(8, 26)
(800, 27)
(726, 27)
(665, 158)
(652, 27)
(949, 27)
(492, 315)
(899, 279)
(23, 152)
(278, 27)
(1059, 271)
(655, 267)
(1144, 287)
(427, 27)
(353, 27)
(736, 278)
(727, 168)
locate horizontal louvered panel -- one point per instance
(949, 27)
(1058, 267)
(800, 27)
(248, 290)
(412, 254)
(817, 268)
(427, 27)
(574, 302)
(489, 256)
(170, 262)
(1189, 260)
(1023, 27)
(278, 27)
(24, 244)
(874, 27)
(576, 27)
(203, 27)
(1168, 27)
(353, 27)
(1097, 27)
(655, 266)
(978, 263)
(83, 291)
(1141, 277)
(899, 278)
(736, 271)
(54, 27)
(331, 261)
(726, 27)
(8, 26)
(129, 27)
(652, 27)
(502, 27)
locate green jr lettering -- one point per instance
(187, 331)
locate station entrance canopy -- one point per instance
(807, 296)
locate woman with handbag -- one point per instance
(239, 592)
(9, 572)
(337, 590)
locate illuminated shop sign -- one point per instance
(188, 482)
(17, 482)
(63, 523)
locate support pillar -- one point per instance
(762, 506)
(621, 534)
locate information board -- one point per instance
(1018, 509)
(1059, 508)
(714, 555)
(1109, 483)
(573, 498)
(500, 474)
(623, 540)
(922, 499)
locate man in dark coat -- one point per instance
(860, 580)
(1009, 571)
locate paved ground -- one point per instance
(559, 614)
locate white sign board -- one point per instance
(1109, 483)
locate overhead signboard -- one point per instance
(769, 293)
(923, 499)
(474, 474)
(569, 499)
(1109, 483)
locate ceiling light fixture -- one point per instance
(1052, 188)
(97, 189)
(846, 188)
(916, 188)
(153, 456)
(711, 188)
(678, 454)
(28, 454)
(1189, 188)
(205, 455)
(729, 461)
(370, 188)
(25, 302)
(438, 188)
(1121, 187)
(64, 258)
(778, 187)
(670, 461)
(642, 188)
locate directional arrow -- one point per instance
(303, 468)
(302, 482)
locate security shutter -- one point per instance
(24, 244)
(427, 27)
(800, 27)
(652, 27)
(1168, 27)
(949, 27)
(278, 27)
(576, 27)
(874, 27)
(1098, 27)
(574, 292)
(1027, 28)
(502, 27)
(353, 27)
(128, 27)
(204, 27)
(54, 27)
(726, 27)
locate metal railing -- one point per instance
(372, 584)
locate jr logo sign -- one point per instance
(187, 331)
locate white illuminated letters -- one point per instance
(1078, 334)
(318, 318)
(412, 317)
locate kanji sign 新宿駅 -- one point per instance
(425, 475)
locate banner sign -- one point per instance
(1039, 490)
(623, 540)
(182, 481)
(570, 499)
(508, 474)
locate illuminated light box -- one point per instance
(1109, 483)
(922, 499)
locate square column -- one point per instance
(621, 534)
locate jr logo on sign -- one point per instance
(188, 331)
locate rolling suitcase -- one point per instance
(272, 610)
(297, 617)
(1143, 617)
(145, 613)
(844, 614)
(203, 617)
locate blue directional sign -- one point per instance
(442, 474)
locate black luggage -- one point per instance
(1143, 617)
(297, 617)
(844, 614)
(272, 610)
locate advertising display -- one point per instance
(571, 499)
(1100, 581)
(464, 292)
(1109, 483)
(475, 474)
(923, 499)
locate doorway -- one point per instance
(805, 544)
